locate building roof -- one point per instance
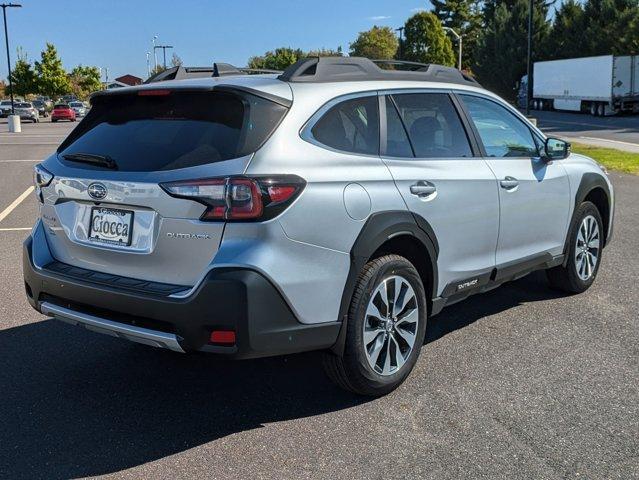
(130, 80)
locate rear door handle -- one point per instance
(509, 183)
(423, 189)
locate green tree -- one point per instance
(52, 79)
(158, 69)
(378, 43)
(425, 40)
(278, 59)
(503, 46)
(465, 17)
(22, 76)
(84, 81)
(611, 27)
(490, 6)
(325, 52)
(567, 36)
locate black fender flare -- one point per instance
(589, 181)
(379, 228)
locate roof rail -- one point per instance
(216, 70)
(350, 69)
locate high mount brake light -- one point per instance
(154, 93)
(239, 198)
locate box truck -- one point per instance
(603, 85)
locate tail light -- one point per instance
(239, 198)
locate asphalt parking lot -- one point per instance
(619, 131)
(518, 383)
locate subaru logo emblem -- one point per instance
(97, 191)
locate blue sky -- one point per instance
(117, 33)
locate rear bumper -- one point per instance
(240, 300)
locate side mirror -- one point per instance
(555, 149)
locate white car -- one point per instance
(5, 108)
(79, 108)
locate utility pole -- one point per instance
(529, 72)
(6, 40)
(155, 57)
(163, 47)
(459, 43)
(401, 41)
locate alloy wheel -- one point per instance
(390, 326)
(587, 248)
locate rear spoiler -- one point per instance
(140, 90)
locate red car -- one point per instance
(62, 111)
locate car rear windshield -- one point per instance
(24, 105)
(61, 105)
(160, 131)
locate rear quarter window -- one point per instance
(350, 126)
(178, 130)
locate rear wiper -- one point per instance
(93, 159)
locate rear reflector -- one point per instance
(226, 337)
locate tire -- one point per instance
(364, 369)
(53, 120)
(601, 110)
(577, 276)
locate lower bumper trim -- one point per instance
(101, 325)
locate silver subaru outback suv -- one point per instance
(335, 206)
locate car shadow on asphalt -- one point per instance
(77, 404)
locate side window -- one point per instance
(351, 126)
(502, 133)
(433, 125)
(397, 143)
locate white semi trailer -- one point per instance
(603, 85)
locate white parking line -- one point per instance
(8, 144)
(17, 229)
(15, 203)
(30, 135)
(14, 160)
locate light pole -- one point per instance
(529, 72)
(163, 47)
(401, 41)
(459, 42)
(148, 65)
(6, 40)
(155, 57)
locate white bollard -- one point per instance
(14, 124)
